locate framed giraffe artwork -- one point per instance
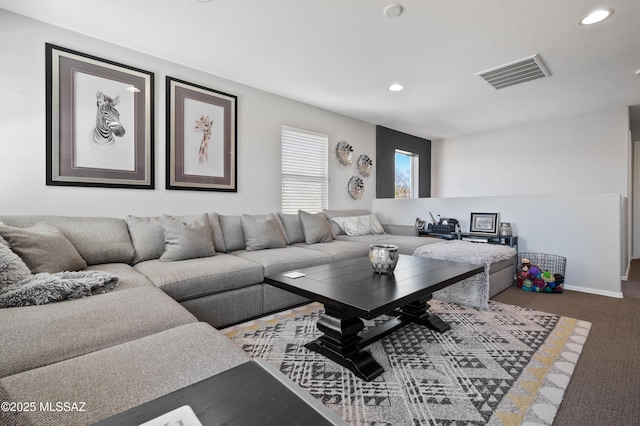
(99, 121)
(201, 138)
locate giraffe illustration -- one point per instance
(204, 125)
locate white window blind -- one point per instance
(305, 178)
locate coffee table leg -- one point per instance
(340, 343)
(418, 313)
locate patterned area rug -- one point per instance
(504, 366)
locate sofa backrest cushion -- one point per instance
(187, 239)
(263, 232)
(292, 227)
(97, 239)
(147, 235)
(337, 230)
(316, 227)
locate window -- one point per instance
(406, 174)
(305, 176)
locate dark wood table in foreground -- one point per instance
(350, 290)
(253, 393)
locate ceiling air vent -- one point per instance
(517, 72)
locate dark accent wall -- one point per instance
(387, 141)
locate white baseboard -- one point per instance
(625, 277)
(617, 295)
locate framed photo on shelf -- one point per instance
(99, 121)
(201, 138)
(484, 223)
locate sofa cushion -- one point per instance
(292, 227)
(406, 244)
(97, 239)
(232, 231)
(229, 307)
(360, 225)
(128, 277)
(342, 213)
(43, 248)
(187, 239)
(147, 237)
(263, 232)
(339, 250)
(276, 299)
(34, 336)
(315, 227)
(284, 259)
(147, 368)
(187, 279)
(12, 268)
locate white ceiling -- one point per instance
(342, 55)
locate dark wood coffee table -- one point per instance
(350, 290)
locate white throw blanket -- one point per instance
(473, 291)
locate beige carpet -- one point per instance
(504, 366)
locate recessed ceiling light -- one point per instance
(393, 11)
(396, 87)
(596, 16)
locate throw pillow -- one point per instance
(330, 214)
(232, 231)
(147, 237)
(43, 248)
(218, 238)
(43, 288)
(12, 268)
(360, 225)
(187, 239)
(292, 227)
(315, 227)
(263, 232)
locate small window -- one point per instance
(406, 174)
(305, 171)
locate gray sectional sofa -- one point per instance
(180, 279)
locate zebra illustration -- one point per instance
(107, 121)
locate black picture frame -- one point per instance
(88, 144)
(484, 224)
(201, 141)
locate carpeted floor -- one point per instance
(505, 366)
(605, 386)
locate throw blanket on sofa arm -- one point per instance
(473, 291)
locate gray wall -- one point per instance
(260, 117)
(387, 141)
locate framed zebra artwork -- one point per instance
(99, 121)
(201, 138)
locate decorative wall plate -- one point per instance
(344, 152)
(355, 187)
(365, 165)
